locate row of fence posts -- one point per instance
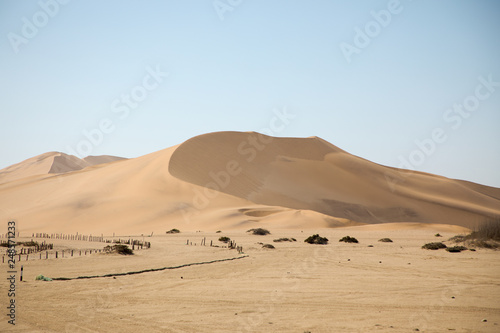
(39, 248)
(56, 254)
(76, 236)
(33, 247)
(230, 245)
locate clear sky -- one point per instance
(401, 83)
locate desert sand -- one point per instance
(297, 287)
(234, 181)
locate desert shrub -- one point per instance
(28, 243)
(487, 231)
(123, 249)
(348, 239)
(173, 231)
(279, 240)
(385, 240)
(438, 235)
(268, 246)
(316, 239)
(218, 232)
(434, 246)
(458, 238)
(224, 239)
(456, 248)
(259, 231)
(485, 244)
(487, 236)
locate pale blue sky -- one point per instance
(230, 74)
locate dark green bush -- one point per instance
(316, 239)
(348, 239)
(224, 239)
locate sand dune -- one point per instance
(51, 163)
(232, 180)
(313, 174)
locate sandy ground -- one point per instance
(297, 287)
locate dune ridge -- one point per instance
(233, 180)
(51, 163)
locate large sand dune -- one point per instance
(233, 180)
(51, 163)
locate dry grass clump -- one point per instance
(434, 246)
(118, 248)
(316, 239)
(259, 231)
(456, 249)
(487, 236)
(224, 239)
(348, 239)
(385, 240)
(279, 240)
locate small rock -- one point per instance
(348, 259)
(453, 297)
(416, 330)
(485, 320)
(380, 262)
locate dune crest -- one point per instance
(312, 174)
(232, 180)
(51, 163)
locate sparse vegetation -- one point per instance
(268, 246)
(218, 232)
(119, 248)
(385, 240)
(259, 231)
(434, 246)
(316, 239)
(456, 249)
(279, 240)
(348, 239)
(224, 239)
(173, 231)
(438, 235)
(487, 236)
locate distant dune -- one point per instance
(51, 163)
(232, 180)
